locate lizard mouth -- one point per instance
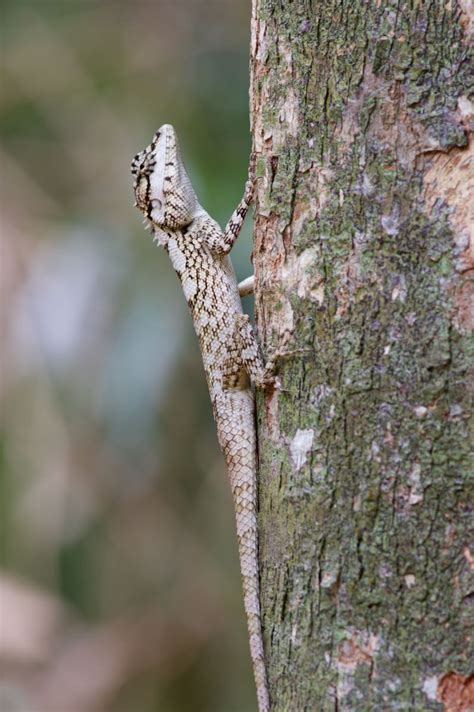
(147, 198)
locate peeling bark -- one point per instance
(363, 252)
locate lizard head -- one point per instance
(163, 191)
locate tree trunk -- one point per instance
(360, 124)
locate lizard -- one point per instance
(199, 252)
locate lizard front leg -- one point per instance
(220, 242)
(236, 220)
(247, 286)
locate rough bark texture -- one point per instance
(360, 118)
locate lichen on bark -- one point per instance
(361, 125)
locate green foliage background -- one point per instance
(119, 578)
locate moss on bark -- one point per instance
(361, 120)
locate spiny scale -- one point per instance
(198, 250)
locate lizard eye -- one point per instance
(156, 213)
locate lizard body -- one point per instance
(198, 249)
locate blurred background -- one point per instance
(119, 579)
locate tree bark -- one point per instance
(360, 121)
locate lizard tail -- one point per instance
(238, 440)
(248, 549)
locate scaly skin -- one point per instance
(198, 249)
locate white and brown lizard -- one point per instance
(199, 249)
